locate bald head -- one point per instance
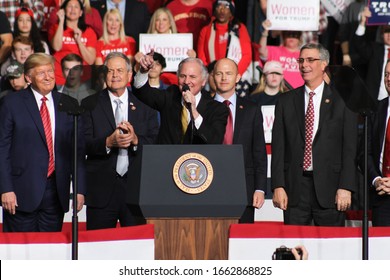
(226, 62)
(226, 76)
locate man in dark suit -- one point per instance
(36, 153)
(378, 167)
(374, 54)
(135, 15)
(112, 143)
(187, 115)
(314, 144)
(247, 131)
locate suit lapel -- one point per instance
(299, 103)
(33, 110)
(239, 118)
(382, 112)
(105, 102)
(131, 103)
(201, 108)
(326, 104)
(59, 118)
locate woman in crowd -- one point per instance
(114, 38)
(271, 84)
(162, 22)
(287, 53)
(92, 17)
(26, 26)
(225, 36)
(72, 35)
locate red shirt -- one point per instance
(69, 45)
(191, 19)
(220, 45)
(127, 47)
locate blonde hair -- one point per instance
(262, 84)
(37, 59)
(105, 36)
(156, 14)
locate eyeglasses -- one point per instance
(307, 59)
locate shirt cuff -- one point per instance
(198, 121)
(373, 181)
(360, 30)
(140, 79)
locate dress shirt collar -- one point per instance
(232, 99)
(124, 97)
(39, 96)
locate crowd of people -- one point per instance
(88, 50)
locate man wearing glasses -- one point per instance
(314, 143)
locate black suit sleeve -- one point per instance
(212, 129)
(259, 152)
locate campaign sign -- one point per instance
(336, 8)
(268, 121)
(380, 12)
(173, 47)
(300, 15)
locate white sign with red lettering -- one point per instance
(268, 121)
(300, 15)
(173, 47)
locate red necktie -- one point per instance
(228, 138)
(388, 53)
(49, 139)
(386, 153)
(309, 126)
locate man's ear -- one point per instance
(27, 78)
(238, 78)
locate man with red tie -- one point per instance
(314, 144)
(244, 127)
(36, 153)
(378, 165)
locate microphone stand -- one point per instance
(353, 91)
(70, 105)
(75, 218)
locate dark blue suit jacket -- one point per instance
(24, 156)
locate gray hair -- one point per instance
(198, 61)
(112, 55)
(324, 53)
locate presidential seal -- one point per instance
(193, 173)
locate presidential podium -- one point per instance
(192, 194)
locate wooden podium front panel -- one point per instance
(191, 239)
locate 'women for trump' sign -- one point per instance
(301, 15)
(173, 47)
